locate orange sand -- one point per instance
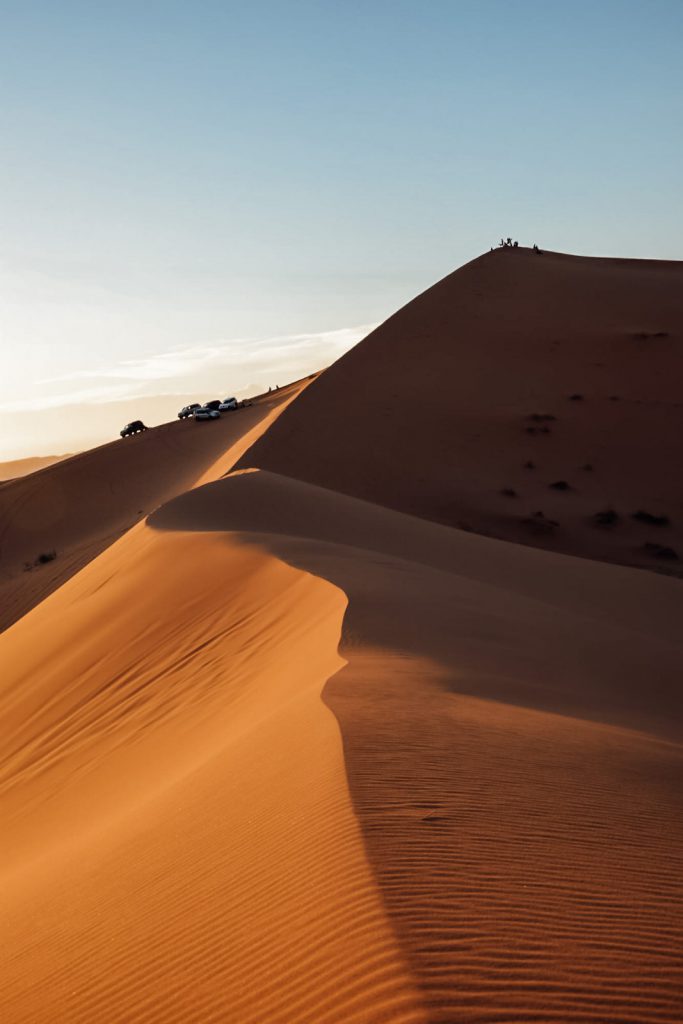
(278, 753)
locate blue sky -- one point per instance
(233, 176)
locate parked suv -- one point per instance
(136, 427)
(188, 410)
(228, 403)
(205, 412)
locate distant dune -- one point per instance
(285, 744)
(22, 467)
(81, 505)
(517, 373)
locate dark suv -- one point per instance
(188, 410)
(136, 427)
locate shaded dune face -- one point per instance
(531, 866)
(518, 797)
(441, 412)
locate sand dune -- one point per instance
(511, 724)
(278, 750)
(507, 847)
(431, 414)
(175, 800)
(81, 505)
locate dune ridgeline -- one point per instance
(363, 703)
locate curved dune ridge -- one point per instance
(518, 791)
(180, 844)
(515, 373)
(277, 748)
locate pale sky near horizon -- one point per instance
(215, 196)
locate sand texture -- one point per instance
(282, 743)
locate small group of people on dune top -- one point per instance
(507, 243)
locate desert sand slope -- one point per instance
(79, 506)
(179, 843)
(511, 722)
(22, 467)
(432, 414)
(494, 836)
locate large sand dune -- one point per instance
(432, 413)
(277, 751)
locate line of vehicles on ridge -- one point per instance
(195, 410)
(208, 411)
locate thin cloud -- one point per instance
(247, 363)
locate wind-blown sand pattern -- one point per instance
(279, 753)
(197, 867)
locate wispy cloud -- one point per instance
(238, 365)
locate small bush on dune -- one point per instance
(647, 517)
(539, 524)
(657, 551)
(607, 518)
(42, 559)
